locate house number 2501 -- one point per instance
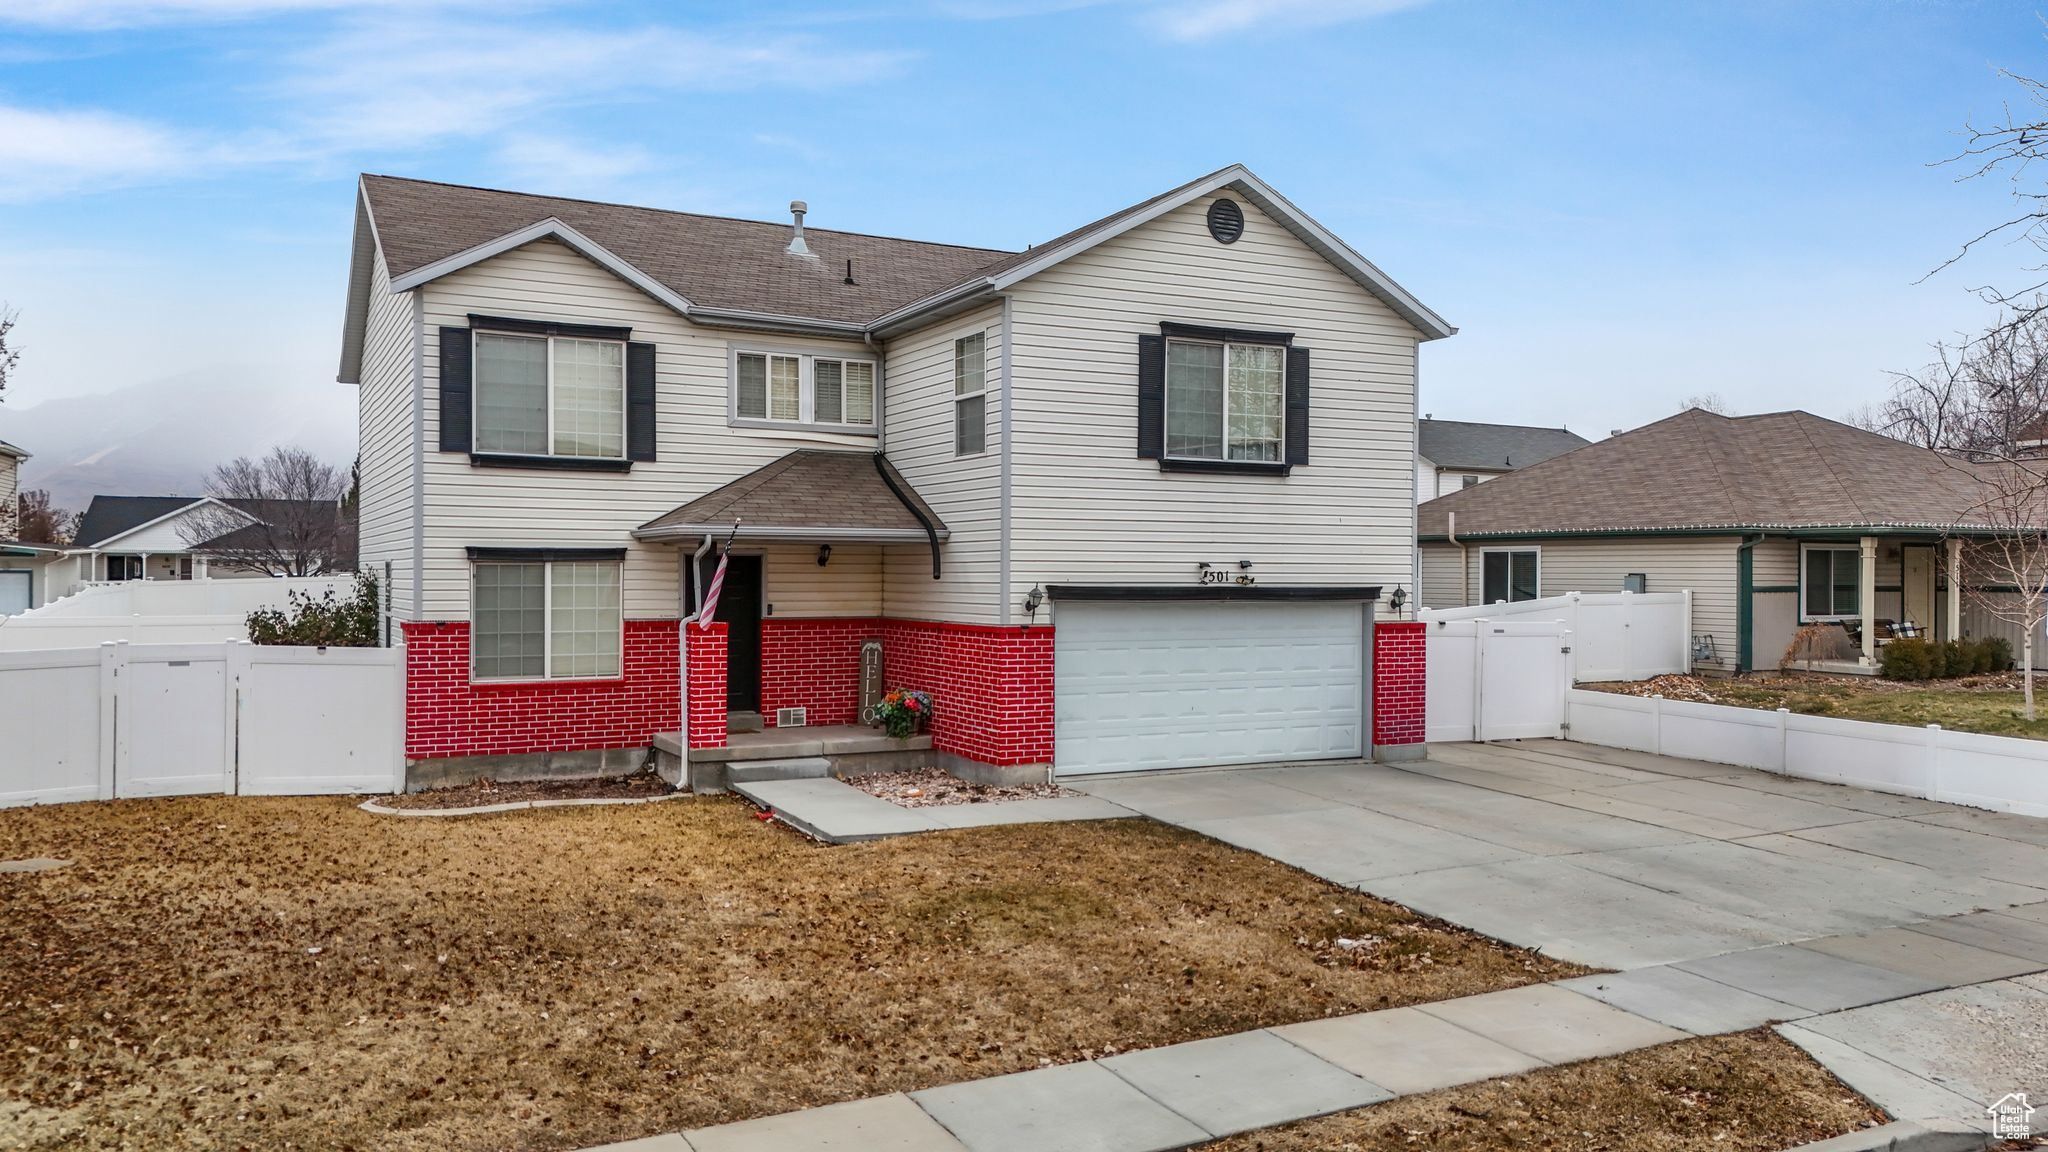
(1223, 576)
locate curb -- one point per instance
(1900, 1136)
(515, 805)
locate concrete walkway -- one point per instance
(1852, 1000)
(838, 813)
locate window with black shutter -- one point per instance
(1222, 400)
(541, 394)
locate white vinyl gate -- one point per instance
(1496, 679)
(125, 720)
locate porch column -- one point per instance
(1866, 599)
(145, 565)
(1955, 589)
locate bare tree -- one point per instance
(40, 522)
(280, 515)
(1981, 397)
(1706, 402)
(9, 354)
(2010, 551)
(2011, 148)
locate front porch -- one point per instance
(1840, 599)
(787, 753)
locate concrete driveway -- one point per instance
(1611, 858)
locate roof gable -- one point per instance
(1699, 471)
(738, 272)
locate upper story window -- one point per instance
(550, 396)
(801, 388)
(970, 395)
(1225, 401)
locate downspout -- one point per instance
(931, 533)
(1464, 560)
(881, 389)
(695, 574)
(1745, 602)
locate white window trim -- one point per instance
(1166, 386)
(959, 397)
(476, 395)
(1509, 552)
(1857, 550)
(807, 396)
(547, 626)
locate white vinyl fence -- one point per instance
(120, 720)
(1495, 679)
(157, 611)
(1615, 635)
(2002, 773)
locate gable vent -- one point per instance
(1226, 221)
(791, 718)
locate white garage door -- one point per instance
(15, 591)
(1184, 685)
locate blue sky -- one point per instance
(1619, 204)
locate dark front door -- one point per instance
(739, 609)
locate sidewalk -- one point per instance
(1851, 995)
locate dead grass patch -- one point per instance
(1990, 704)
(295, 973)
(1752, 1092)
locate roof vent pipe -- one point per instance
(797, 247)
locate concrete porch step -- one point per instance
(844, 749)
(757, 771)
(736, 722)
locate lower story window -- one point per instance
(1510, 575)
(545, 619)
(1831, 583)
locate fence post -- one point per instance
(1784, 765)
(113, 654)
(1934, 761)
(1570, 656)
(1657, 724)
(1685, 633)
(1478, 680)
(399, 671)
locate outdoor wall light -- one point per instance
(1244, 565)
(824, 555)
(1032, 601)
(1398, 599)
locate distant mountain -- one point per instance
(161, 438)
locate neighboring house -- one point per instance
(1118, 501)
(1773, 521)
(22, 566)
(1455, 454)
(152, 538)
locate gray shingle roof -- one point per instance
(110, 516)
(1697, 470)
(1459, 444)
(809, 488)
(714, 262)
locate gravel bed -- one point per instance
(487, 791)
(935, 787)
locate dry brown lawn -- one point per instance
(1752, 1092)
(223, 972)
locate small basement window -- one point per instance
(1510, 574)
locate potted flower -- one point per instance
(904, 712)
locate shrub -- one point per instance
(1958, 657)
(1911, 659)
(1994, 654)
(323, 621)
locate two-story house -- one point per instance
(1124, 500)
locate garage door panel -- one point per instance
(1141, 686)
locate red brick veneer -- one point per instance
(447, 715)
(814, 665)
(991, 687)
(705, 650)
(1398, 648)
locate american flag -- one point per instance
(709, 608)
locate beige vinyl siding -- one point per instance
(849, 585)
(385, 433)
(965, 491)
(1086, 509)
(1704, 564)
(471, 506)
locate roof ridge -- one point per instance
(1834, 477)
(808, 228)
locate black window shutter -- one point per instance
(1297, 405)
(455, 390)
(1152, 397)
(639, 401)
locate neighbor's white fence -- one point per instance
(1495, 679)
(157, 612)
(2002, 773)
(121, 720)
(1615, 635)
